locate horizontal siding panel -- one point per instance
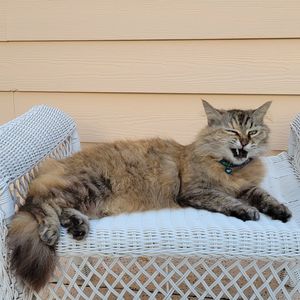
(216, 66)
(106, 117)
(144, 19)
(3, 19)
(6, 107)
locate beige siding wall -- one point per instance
(137, 68)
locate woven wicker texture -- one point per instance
(294, 144)
(24, 143)
(166, 254)
(171, 278)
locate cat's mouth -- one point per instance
(239, 153)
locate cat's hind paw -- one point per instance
(49, 233)
(77, 224)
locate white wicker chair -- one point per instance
(168, 254)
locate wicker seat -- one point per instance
(167, 254)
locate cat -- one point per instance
(220, 172)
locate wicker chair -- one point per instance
(168, 254)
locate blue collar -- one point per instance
(229, 166)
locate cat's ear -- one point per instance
(260, 112)
(214, 117)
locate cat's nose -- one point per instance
(244, 142)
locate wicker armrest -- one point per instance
(294, 145)
(25, 142)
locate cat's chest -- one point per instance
(214, 175)
(240, 178)
(232, 183)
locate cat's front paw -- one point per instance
(280, 212)
(246, 213)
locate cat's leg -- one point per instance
(265, 203)
(219, 202)
(47, 217)
(77, 223)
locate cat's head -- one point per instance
(235, 135)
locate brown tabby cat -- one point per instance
(220, 171)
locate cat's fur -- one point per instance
(127, 176)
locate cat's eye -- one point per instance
(252, 132)
(232, 131)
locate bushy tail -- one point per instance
(31, 259)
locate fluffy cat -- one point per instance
(220, 171)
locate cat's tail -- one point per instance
(32, 259)
(34, 231)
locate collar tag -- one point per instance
(228, 170)
(229, 166)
